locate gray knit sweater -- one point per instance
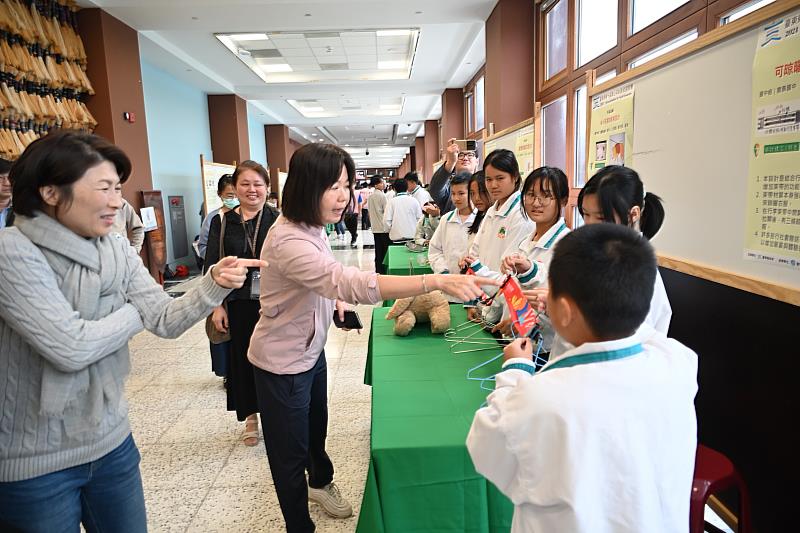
(68, 307)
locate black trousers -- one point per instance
(382, 243)
(365, 218)
(351, 223)
(294, 418)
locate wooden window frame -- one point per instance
(541, 50)
(696, 20)
(469, 89)
(717, 8)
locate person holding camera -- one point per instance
(456, 161)
(301, 288)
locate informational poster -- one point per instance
(155, 240)
(149, 218)
(611, 133)
(523, 148)
(211, 173)
(772, 230)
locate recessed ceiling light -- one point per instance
(313, 134)
(278, 67)
(250, 36)
(405, 137)
(347, 145)
(392, 33)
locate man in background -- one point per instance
(454, 163)
(129, 225)
(402, 214)
(376, 207)
(366, 191)
(415, 190)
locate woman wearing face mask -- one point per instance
(301, 287)
(227, 193)
(72, 294)
(244, 229)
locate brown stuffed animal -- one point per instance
(432, 307)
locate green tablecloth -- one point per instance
(420, 476)
(402, 262)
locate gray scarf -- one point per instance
(90, 274)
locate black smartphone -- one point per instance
(351, 320)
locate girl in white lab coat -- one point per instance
(481, 201)
(544, 197)
(450, 240)
(504, 225)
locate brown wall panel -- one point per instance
(431, 147)
(419, 145)
(452, 114)
(227, 118)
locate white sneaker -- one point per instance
(331, 500)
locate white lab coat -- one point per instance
(449, 244)
(401, 216)
(658, 317)
(421, 195)
(604, 447)
(502, 230)
(540, 253)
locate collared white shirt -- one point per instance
(502, 229)
(603, 447)
(450, 242)
(376, 207)
(402, 214)
(421, 195)
(540, 252)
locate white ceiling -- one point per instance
(179, 38)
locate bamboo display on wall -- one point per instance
(43, 79)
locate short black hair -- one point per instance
(461, 178)
(400, 186)
(313, 169)
(609, 271)
(60, 159)
(374, 180)
(504, 161)
(224, 181)
(550, 179)
(619, 189)
(5, 166)
(412, 176)
(256, 167)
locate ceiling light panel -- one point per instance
(343, 55)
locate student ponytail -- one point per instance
(619, 189)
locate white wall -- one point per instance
(177, 133)
(258, 141)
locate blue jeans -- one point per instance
(106, 495)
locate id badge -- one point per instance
(255, 284)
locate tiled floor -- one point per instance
(197, 474)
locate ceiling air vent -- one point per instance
(334, 66)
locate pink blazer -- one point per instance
(298, 292)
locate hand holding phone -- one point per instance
(351, 320)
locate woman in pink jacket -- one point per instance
(300, 288)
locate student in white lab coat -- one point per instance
(451, 238)
(602, 439)
(544, 197)
(402, 214)
(426, 226)
(481, 201)
(416, 190)
(504, 225)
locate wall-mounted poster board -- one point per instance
(156, 239)
(210, 173)
(693, 121)
(520, 140)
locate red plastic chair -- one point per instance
(713, 472)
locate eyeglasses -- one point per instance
(544, 201)
(4, 177)
(466, 155)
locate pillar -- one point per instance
(431, 147)
(509, 63)
(452, 114)
(419, 151)
(227, 119)
(279, 151)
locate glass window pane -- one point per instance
(663, 49)
(645, 12)
(554, 126)
(602, 78)
(597, 28)
(577, 219)
(470, 123)
(580, 137)
(479, 104)
(556, 39)
(742, 10)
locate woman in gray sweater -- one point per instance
(71, 296)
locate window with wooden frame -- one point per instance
(475, 106)
(609, 37)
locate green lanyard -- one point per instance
(595, 357)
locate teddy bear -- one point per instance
(432, 307)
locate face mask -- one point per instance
(230, 203)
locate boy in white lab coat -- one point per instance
(402, 214)
(602, 439)
(451, 238)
